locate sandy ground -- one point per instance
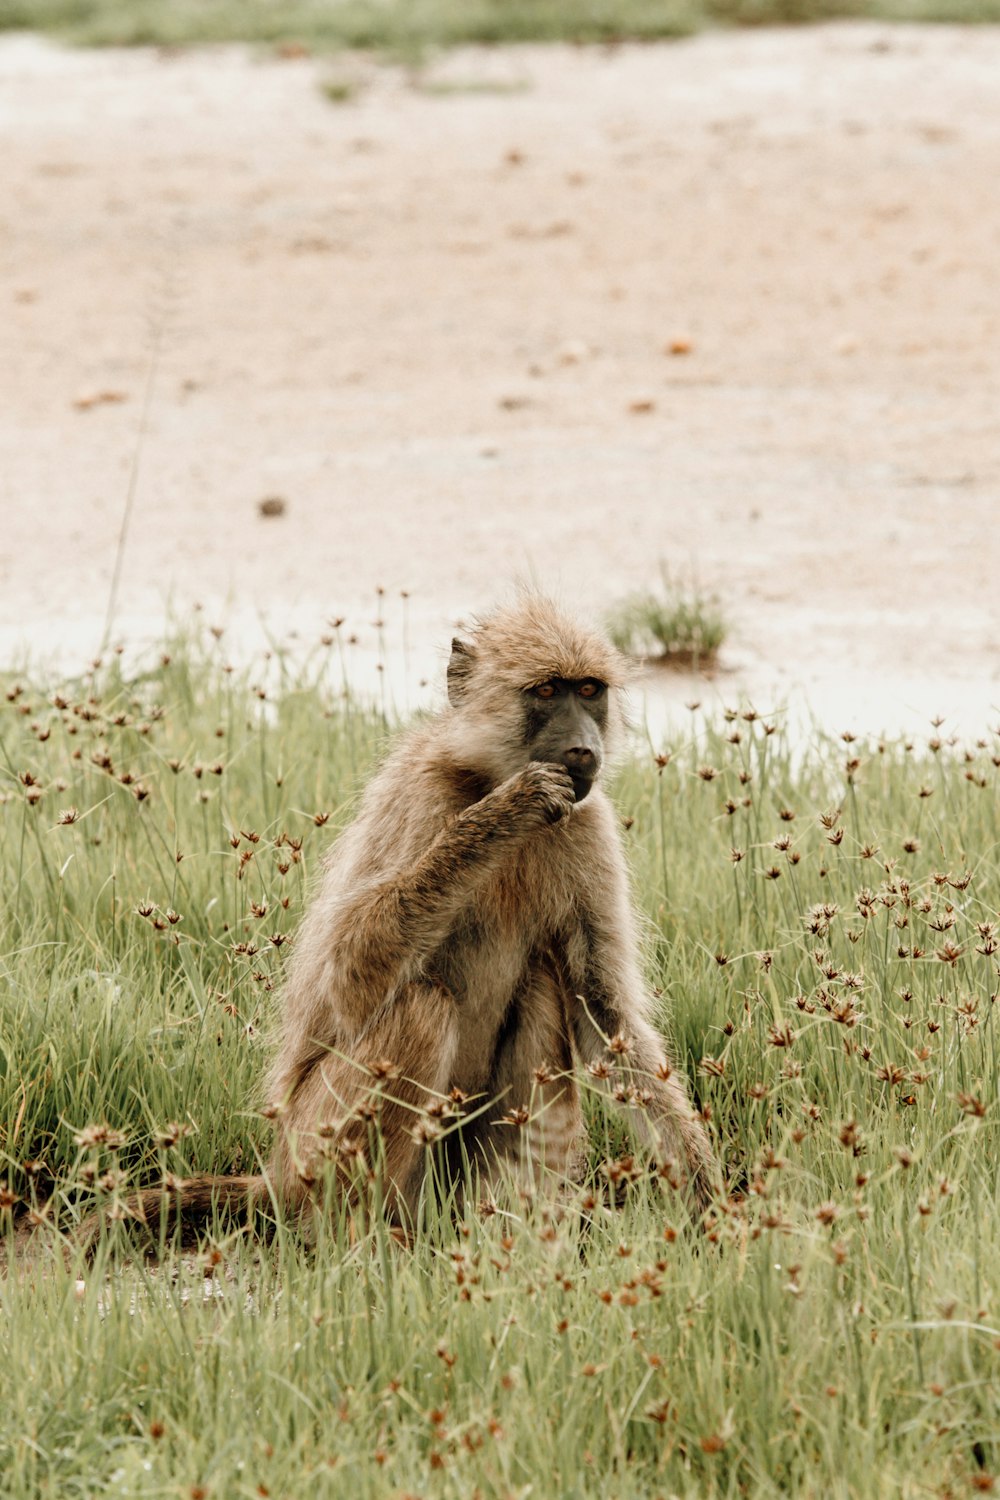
(436, 321)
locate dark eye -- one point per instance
(590, 689)
(545, 690)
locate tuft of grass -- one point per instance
(678, 626)
(446, 88)
(822, 936)
(340, 91)
(408, 28)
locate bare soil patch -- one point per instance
(728, 303)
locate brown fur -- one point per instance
(473, 932)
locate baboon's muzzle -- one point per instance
(583, 766)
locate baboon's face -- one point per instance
(531, 685)
(564, 723)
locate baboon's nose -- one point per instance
(580, 761)
(582, 765)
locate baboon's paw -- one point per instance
(547, 790)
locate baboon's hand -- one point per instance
(544, 791)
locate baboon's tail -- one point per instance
(181, 1207)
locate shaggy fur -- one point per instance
(473, 936)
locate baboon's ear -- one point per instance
(460, 666)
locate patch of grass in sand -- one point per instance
(674, 626)
(822, 927)
(407, 27)
(447, 88)
(340, 90)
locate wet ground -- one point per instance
(727, 305)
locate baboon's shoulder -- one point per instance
(409, 800)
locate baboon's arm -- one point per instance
(386, 934)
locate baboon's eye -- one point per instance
(591, 688)
(545, 690)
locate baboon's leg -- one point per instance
(663, 1112)
(363, 1112)
(607, 1000)
(536, 1125)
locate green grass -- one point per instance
(678, 625)
(836, 1333)
(410, 26)
(340, 90)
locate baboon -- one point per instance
(473, 937)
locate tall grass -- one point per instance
(822, 933)
(677, 624)
(409, 26)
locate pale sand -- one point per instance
(424, 319)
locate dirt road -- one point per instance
(436, 320)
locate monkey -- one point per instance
(473, 938)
